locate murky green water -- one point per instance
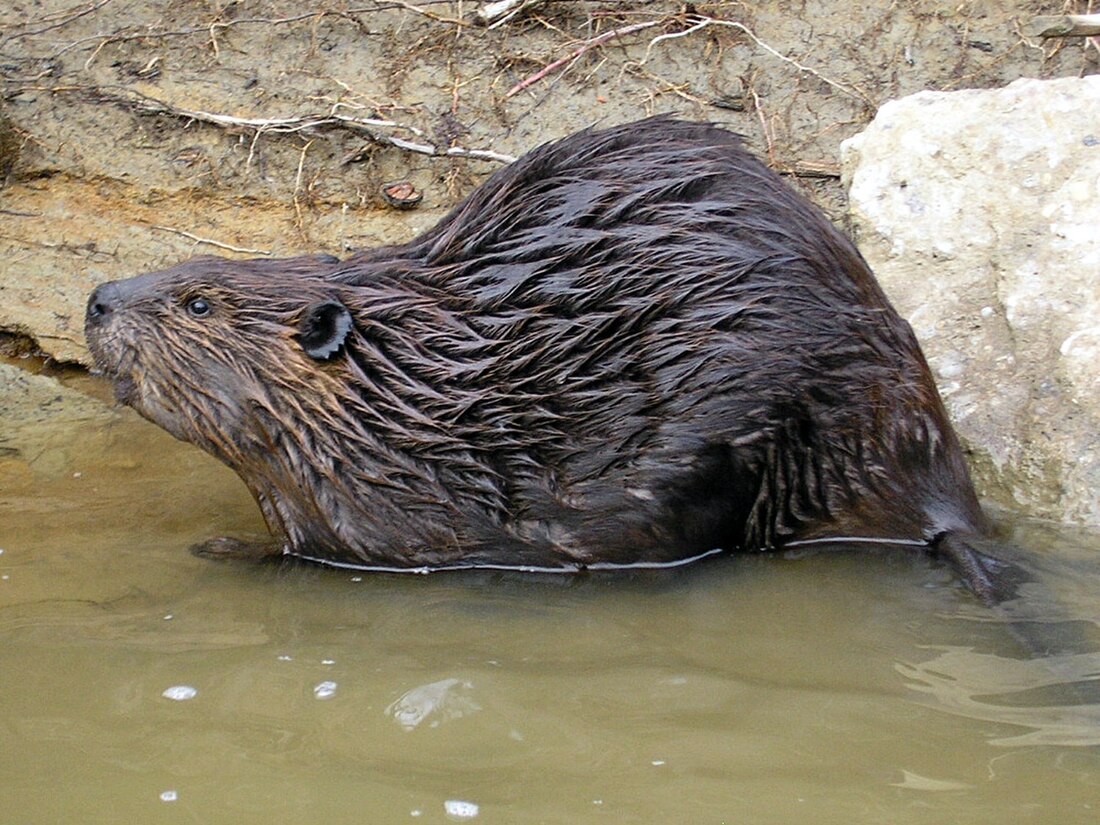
(833, 689)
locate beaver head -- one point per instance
(198, 348)
(238, 357)
(281, 372)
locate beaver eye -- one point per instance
(198, 308)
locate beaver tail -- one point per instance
(980, 562)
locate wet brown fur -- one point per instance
(632, 345)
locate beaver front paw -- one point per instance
(227, 547)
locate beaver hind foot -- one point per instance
(227, 548)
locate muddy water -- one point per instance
(141, 684)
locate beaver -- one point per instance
(632, 346)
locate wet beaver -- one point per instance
(631, 346)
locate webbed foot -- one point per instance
(229, 548)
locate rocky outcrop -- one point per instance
(980, 213)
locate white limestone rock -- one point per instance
(979, 211)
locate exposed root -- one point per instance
(699, 23)
(57, 20)
(301, 123)
(299, 221)
(498, 13)
(209, 242)
(588, 45)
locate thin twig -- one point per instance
(764, 128)
(91, 58)
(365, 126)
(351, 14)
(808, 169)
(67, 16)
(500, 12)
(252, 149)
(298, 221)
(586, 46)
(209, 242)
(431, 16)
(476, 154)
(1069, 25)
(704, 22)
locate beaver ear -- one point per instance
(323, 328)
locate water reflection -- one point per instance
(1041, 695)
(434, 703)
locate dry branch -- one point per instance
(211, 29)
(430, 15)
(586, 46)
(1069, 25)
(500, 12)
(210, 242)
(699, 23)
(58, 20)
(368, 127)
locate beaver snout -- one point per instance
(112, 297)
(103, 302)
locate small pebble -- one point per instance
(401, 195)
(168, 617)
(325, 690)
(285, 658)
(328, 661)
(457, 809)
(180, 693)
(77, 475)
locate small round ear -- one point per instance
(323, 328)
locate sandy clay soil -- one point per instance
(134, 134)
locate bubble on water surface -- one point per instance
(180, 693)
(168, 796)
(459, 809)
(434, 703)
(915, 781)
(324, 690)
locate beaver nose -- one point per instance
(104, 300)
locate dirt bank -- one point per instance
(136, 134)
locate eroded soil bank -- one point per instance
(135, 134)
